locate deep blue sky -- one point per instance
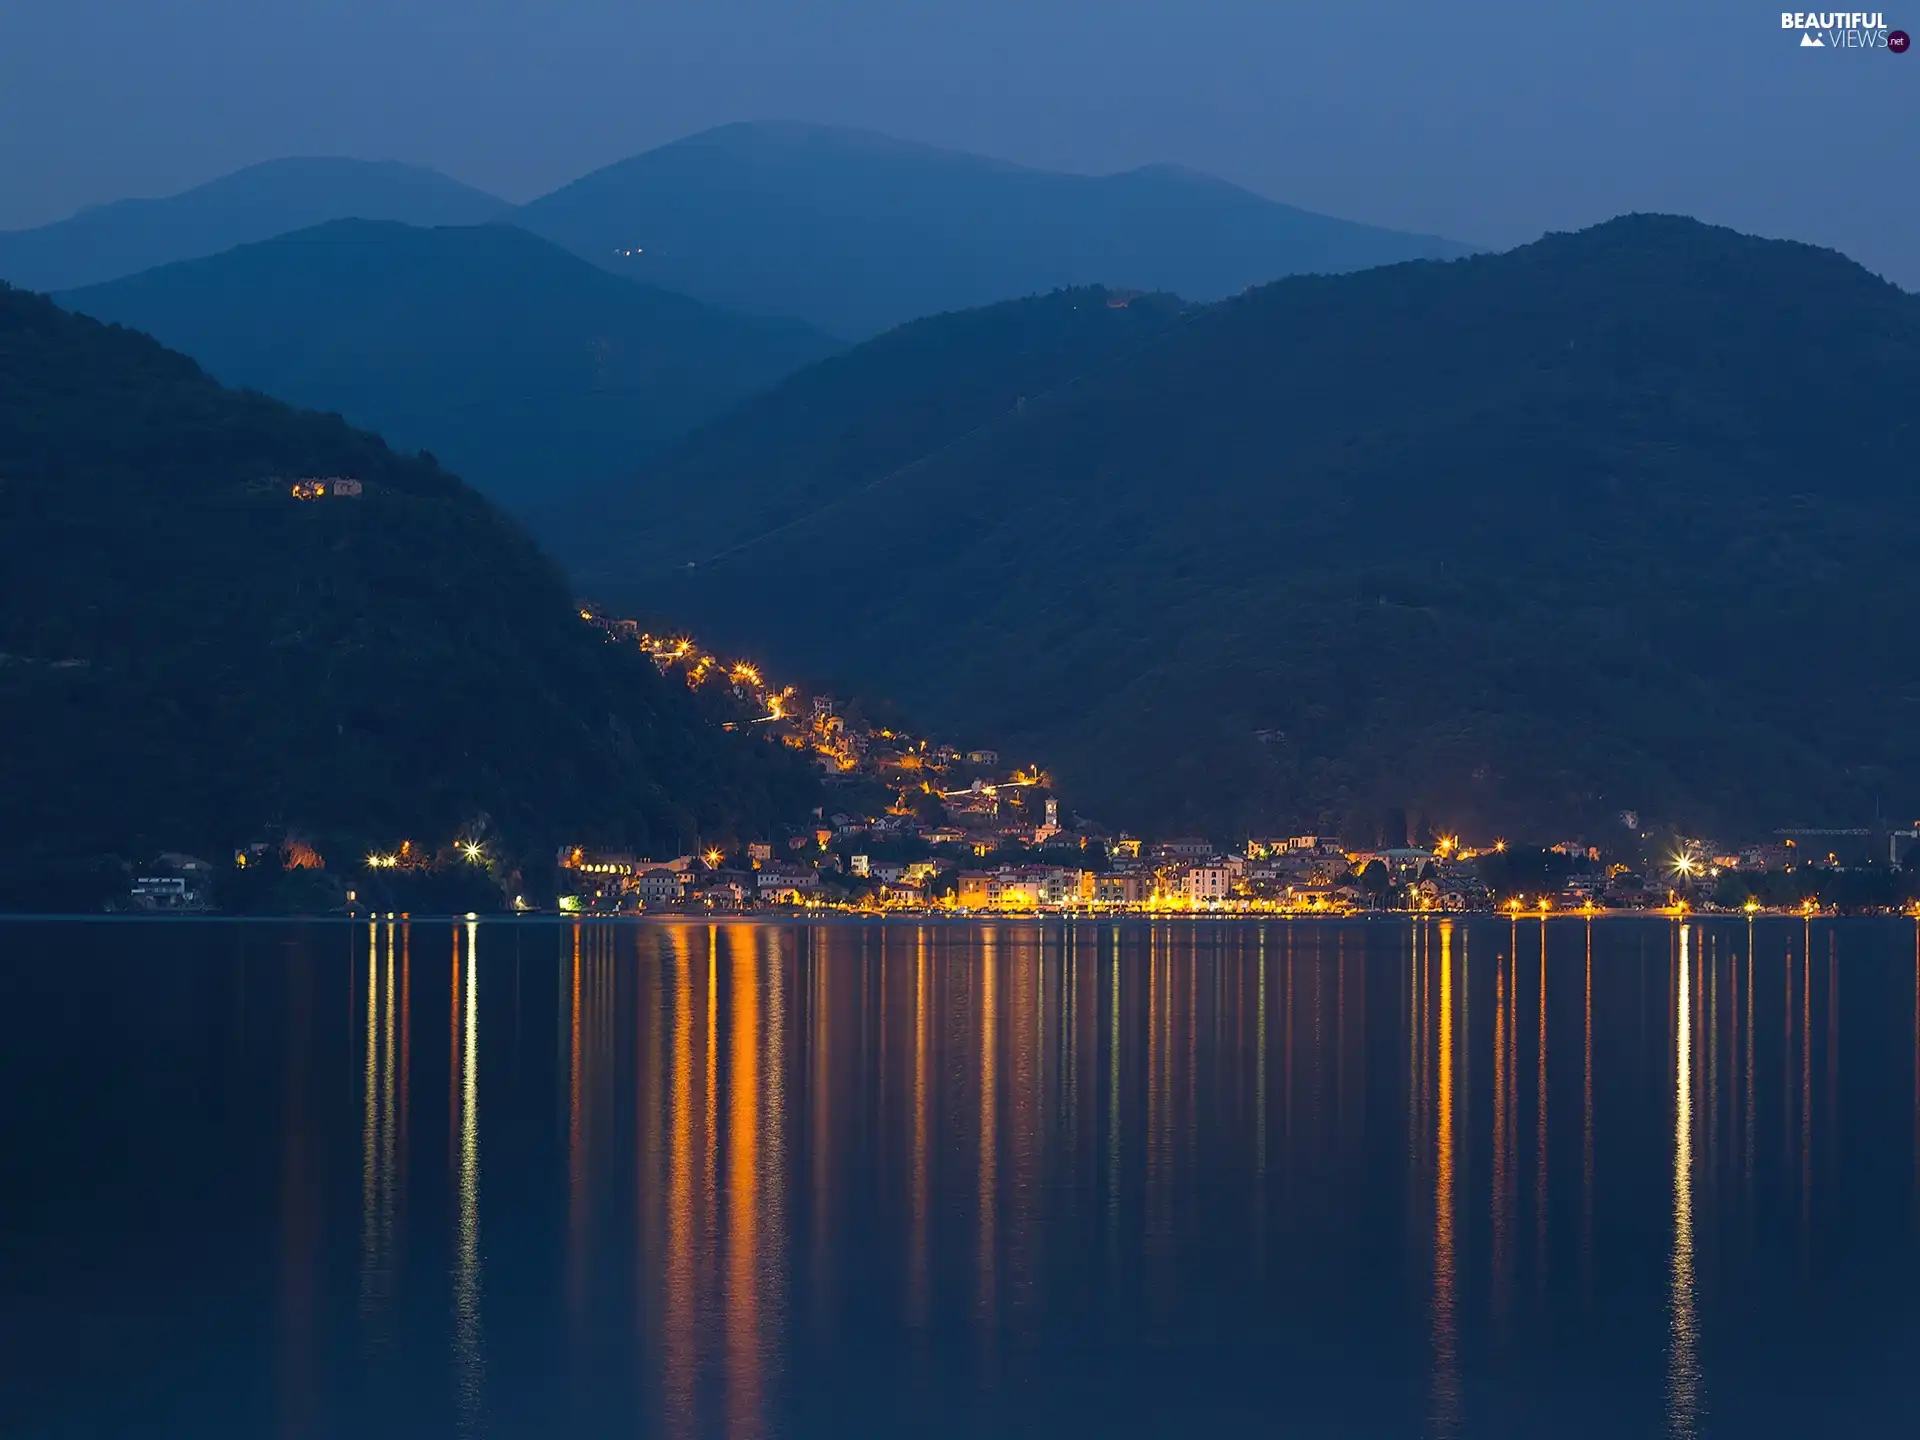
(1485, 121)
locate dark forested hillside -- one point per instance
(524, 368)
(189, 654)
(1622, 519)
(856, 232)
(824, 435)
(107, 241)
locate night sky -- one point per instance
(1487, 122)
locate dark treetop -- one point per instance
(189, 654)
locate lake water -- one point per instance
(752, 1180)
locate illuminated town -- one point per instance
(912, 825)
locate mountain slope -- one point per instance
(857, 233)
(189, 654)
(1619, 520)
(107, 241)
(523, 367)
(821, 436)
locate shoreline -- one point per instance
(947, 917)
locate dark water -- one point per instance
(1197, 1179)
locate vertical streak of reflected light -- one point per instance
(453, 1053)
(1260, 1113)
(1286, 1071)
(1734, 1001)
(1683, 1361)
(1711, 959)
(1025, 1107)
(1113, 1094)
(369, 1128)
(388, 1179)
(467, 1333)
(709, 1192)
(1833, 1057)
(776, 1123)
(1462, 1085)
(918, 1260)
(576, 1140)
(743, 1197)
(1340, 1045)
(1786, 1061)
(1418, 1100)
(377, 1144)
(680, 1356)
(989, 1139)
(1498, 1216)
(821, 1000)
(1192, 1057)
(1540, 1125)
(1260, 1066)
(1586, 1129)
(406, 1034)
(1806, 1103)
(1151, 1148)
(1746, 1145)
(1446, 1357)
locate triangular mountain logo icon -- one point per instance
(1810, 41)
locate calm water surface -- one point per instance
(1633, 1178)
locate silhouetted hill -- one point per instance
(189, 654)
(823, 435)
(261, 201)
(522, 367)
(1621, 519)
(856, 232)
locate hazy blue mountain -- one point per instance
(523, 367)
(1619, 520)
(829, 431)
(261, 201)
(856, 232)
(190, 655)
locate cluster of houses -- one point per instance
(1304, 873)
(319, 487)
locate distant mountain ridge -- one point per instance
(1621, 520)
(105, 242)
(849, 231)
(523, 367)
(857, 232)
